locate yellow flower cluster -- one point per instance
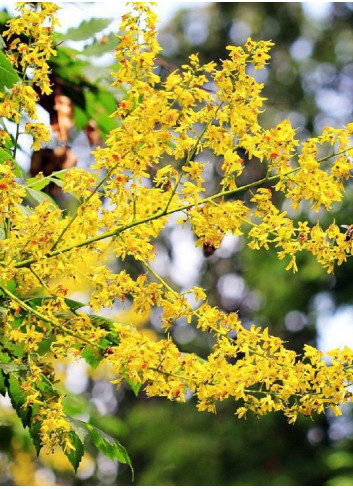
(55, 428)
(254, 368)
(311, 182)
(39, 132)
(35, 22)
(11, 193)
(29, 49)
(148, 170)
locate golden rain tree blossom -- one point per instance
(41, 247)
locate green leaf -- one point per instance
(34, 431)
(73, 305)
(44, 346)
(109, 446)
(18, 400)
(2, 384)
(38, 197)
(37, 183)
(78, 427)
(56, 177)
(92, 357)
(171, 145)
(18, 172)
(2, 43)
(12, 367)
(8, 75)
(5, 357)
(134, 386)
(99, 106)
(4, 155)
(102, 322)
(80, 118)
(74, 456)
(46, 387)
(108, 325)
(27, 211)
(11, 285)
(86, 29)
(60, 173)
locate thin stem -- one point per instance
(174, 191)
(160, 279)
(17, 133)
(334, 154)
(39, 279)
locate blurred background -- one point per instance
(309, 80)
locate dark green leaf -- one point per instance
(102, 322)
(73, 305)
(8, 75)
(74, 456)
(18, 399)
(110, 424)
(44, 385)
(108, 325)
(34, 432)
(86, 29)
(2, 384)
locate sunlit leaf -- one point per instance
(8, 75)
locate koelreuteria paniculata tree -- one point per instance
(177, 118)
